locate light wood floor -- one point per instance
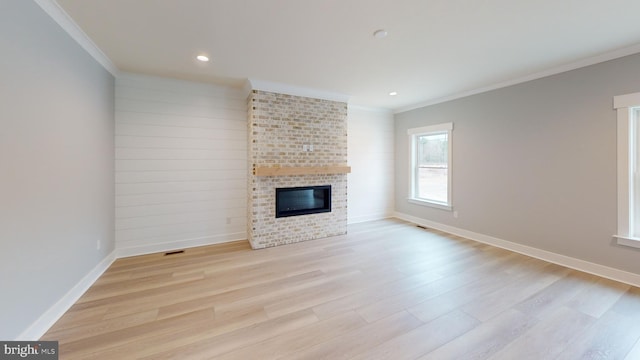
(387, 290)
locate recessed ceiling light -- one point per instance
(379, 34)
(393, 93)
(202, 58)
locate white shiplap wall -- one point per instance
(371, 157)
(181, 164)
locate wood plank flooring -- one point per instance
(387, 290)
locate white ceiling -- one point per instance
(435, 48)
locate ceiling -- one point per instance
(435, 49)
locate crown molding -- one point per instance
(296, 90)
(369, 109)
(53, 9)
(612, 55)
(246, 88)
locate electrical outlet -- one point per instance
(228, 220)
(455, 214)
(310, 147)
(98, 244)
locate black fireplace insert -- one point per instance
(303, 200)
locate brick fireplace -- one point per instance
(294, 132)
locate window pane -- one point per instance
(432, 162)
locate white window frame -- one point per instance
(414, 133)
(625, 105)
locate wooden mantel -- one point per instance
(300, 170)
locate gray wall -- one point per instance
(56, 164)
(534, 163)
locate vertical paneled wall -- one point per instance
(371, 157)
(181, 164)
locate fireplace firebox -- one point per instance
(304, 200)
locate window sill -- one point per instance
(433, 204)
(628, 241)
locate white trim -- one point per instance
(433, 204)
(369, 109)
(246, 88)
(371, 217)
(53, 9)
(566, 261)
(553, 71)
(623, 139)
(628, 241)
(49, 317)
(445, 127)
(429, 130)
(626, 101)
(39, 327)
(177, 245)
(297, 90)
(626, 163)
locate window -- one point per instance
(628, 108)
(430, 166)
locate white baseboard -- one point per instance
(570, 262)
(136, 250)
(369, 217)
(46, 320)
